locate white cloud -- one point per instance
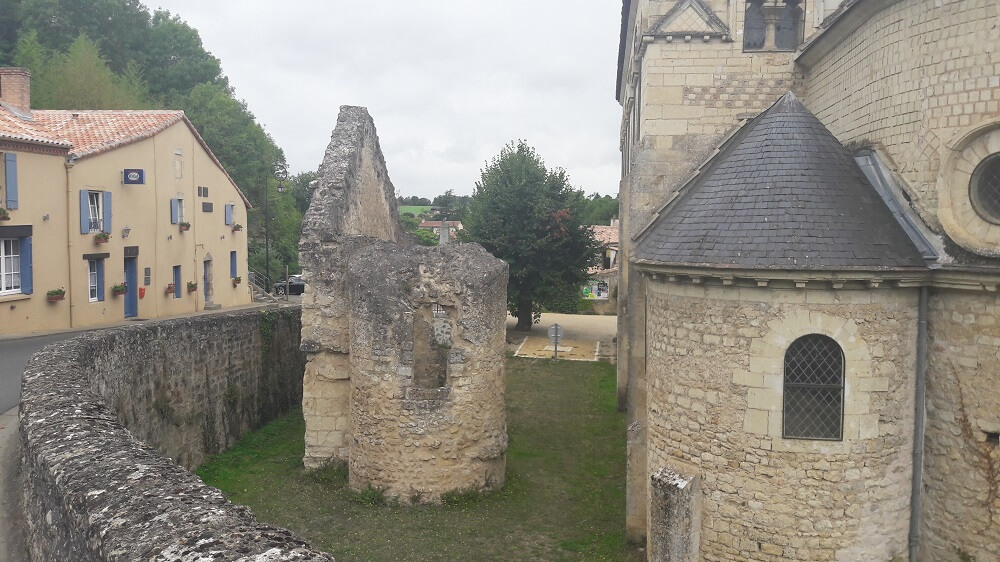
(447, 82)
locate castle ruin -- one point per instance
(405, 344)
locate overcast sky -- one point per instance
(448, 82)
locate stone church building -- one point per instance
(808, 327)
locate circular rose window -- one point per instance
(985, 189)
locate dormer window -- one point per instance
(773, 25)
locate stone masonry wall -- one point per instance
(427, 383)
(915, 77)
(715, 372)
(95, 490)
(961, 504)
(353, 205)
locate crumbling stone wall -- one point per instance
(95, 490)
(714, 383)
(427, 385)
(961, 504)
(354, 204)
(405, 373)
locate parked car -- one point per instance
(294, 286)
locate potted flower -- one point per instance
(56, 294)
(184, 226)
(4, 214)
(237, 280)
(170, 289)
(237, 227)
(119, 289)
(102, 237)
(192, 286)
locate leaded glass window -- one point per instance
(813, 404)
(754, 29)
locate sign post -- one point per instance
(555, 335)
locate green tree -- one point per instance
(175, 59)
(600, 210)
(530, 217)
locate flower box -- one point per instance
(4, 214)
(237, 227)
(184, 226)
(170, 289)
(120, 289)
(237, 280)
(56, 295)
(102, 237)
(192, 286)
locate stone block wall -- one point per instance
(714, 394)
(961, 504)
(915, 77)
(101, 413)
(427, 383)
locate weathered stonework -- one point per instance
(915, 82)
(427, 384)
(714, 372)
(405, 377)
(95, 490)
(961, 505)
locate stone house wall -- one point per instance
(914, 79)
(100, 414)
(961, 504)
(714, 390)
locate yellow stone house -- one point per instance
(107, 215)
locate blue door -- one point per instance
(132, 282)
(207, 284)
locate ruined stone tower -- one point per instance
(405, 373)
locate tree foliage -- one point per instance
(530, 217)
(600, 210)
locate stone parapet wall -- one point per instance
(961, 504)
(714, 391)
(100, 413)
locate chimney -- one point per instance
(15, 89)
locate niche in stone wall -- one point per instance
(432, 338)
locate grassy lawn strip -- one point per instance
(564, 498)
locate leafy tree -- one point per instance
(175, 59)
(413, 200)
(302, 188)
(600, 210)
(530, 216)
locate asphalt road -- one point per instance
(14, 355)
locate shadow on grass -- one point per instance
(564, 497)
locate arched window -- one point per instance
(813, 404)
(985, 189)
(754, 28)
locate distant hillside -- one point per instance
(417, 210)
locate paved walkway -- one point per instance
(12, 545)
(579, 327)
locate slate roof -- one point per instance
(782, 193)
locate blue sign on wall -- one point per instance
(133, 176)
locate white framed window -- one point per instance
(95, 202)
(180, 209)
(10, 266)
(92, 267)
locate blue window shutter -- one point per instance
(174, 211)
(232, 264)
(84, 212)
(100, 280)
(177, 281)
(27, 274)
(229, 214)
(107, 212)
(10, 171)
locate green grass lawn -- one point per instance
(417, 210)
(564, 498)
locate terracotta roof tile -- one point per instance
(607, 235)
(94, 131)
